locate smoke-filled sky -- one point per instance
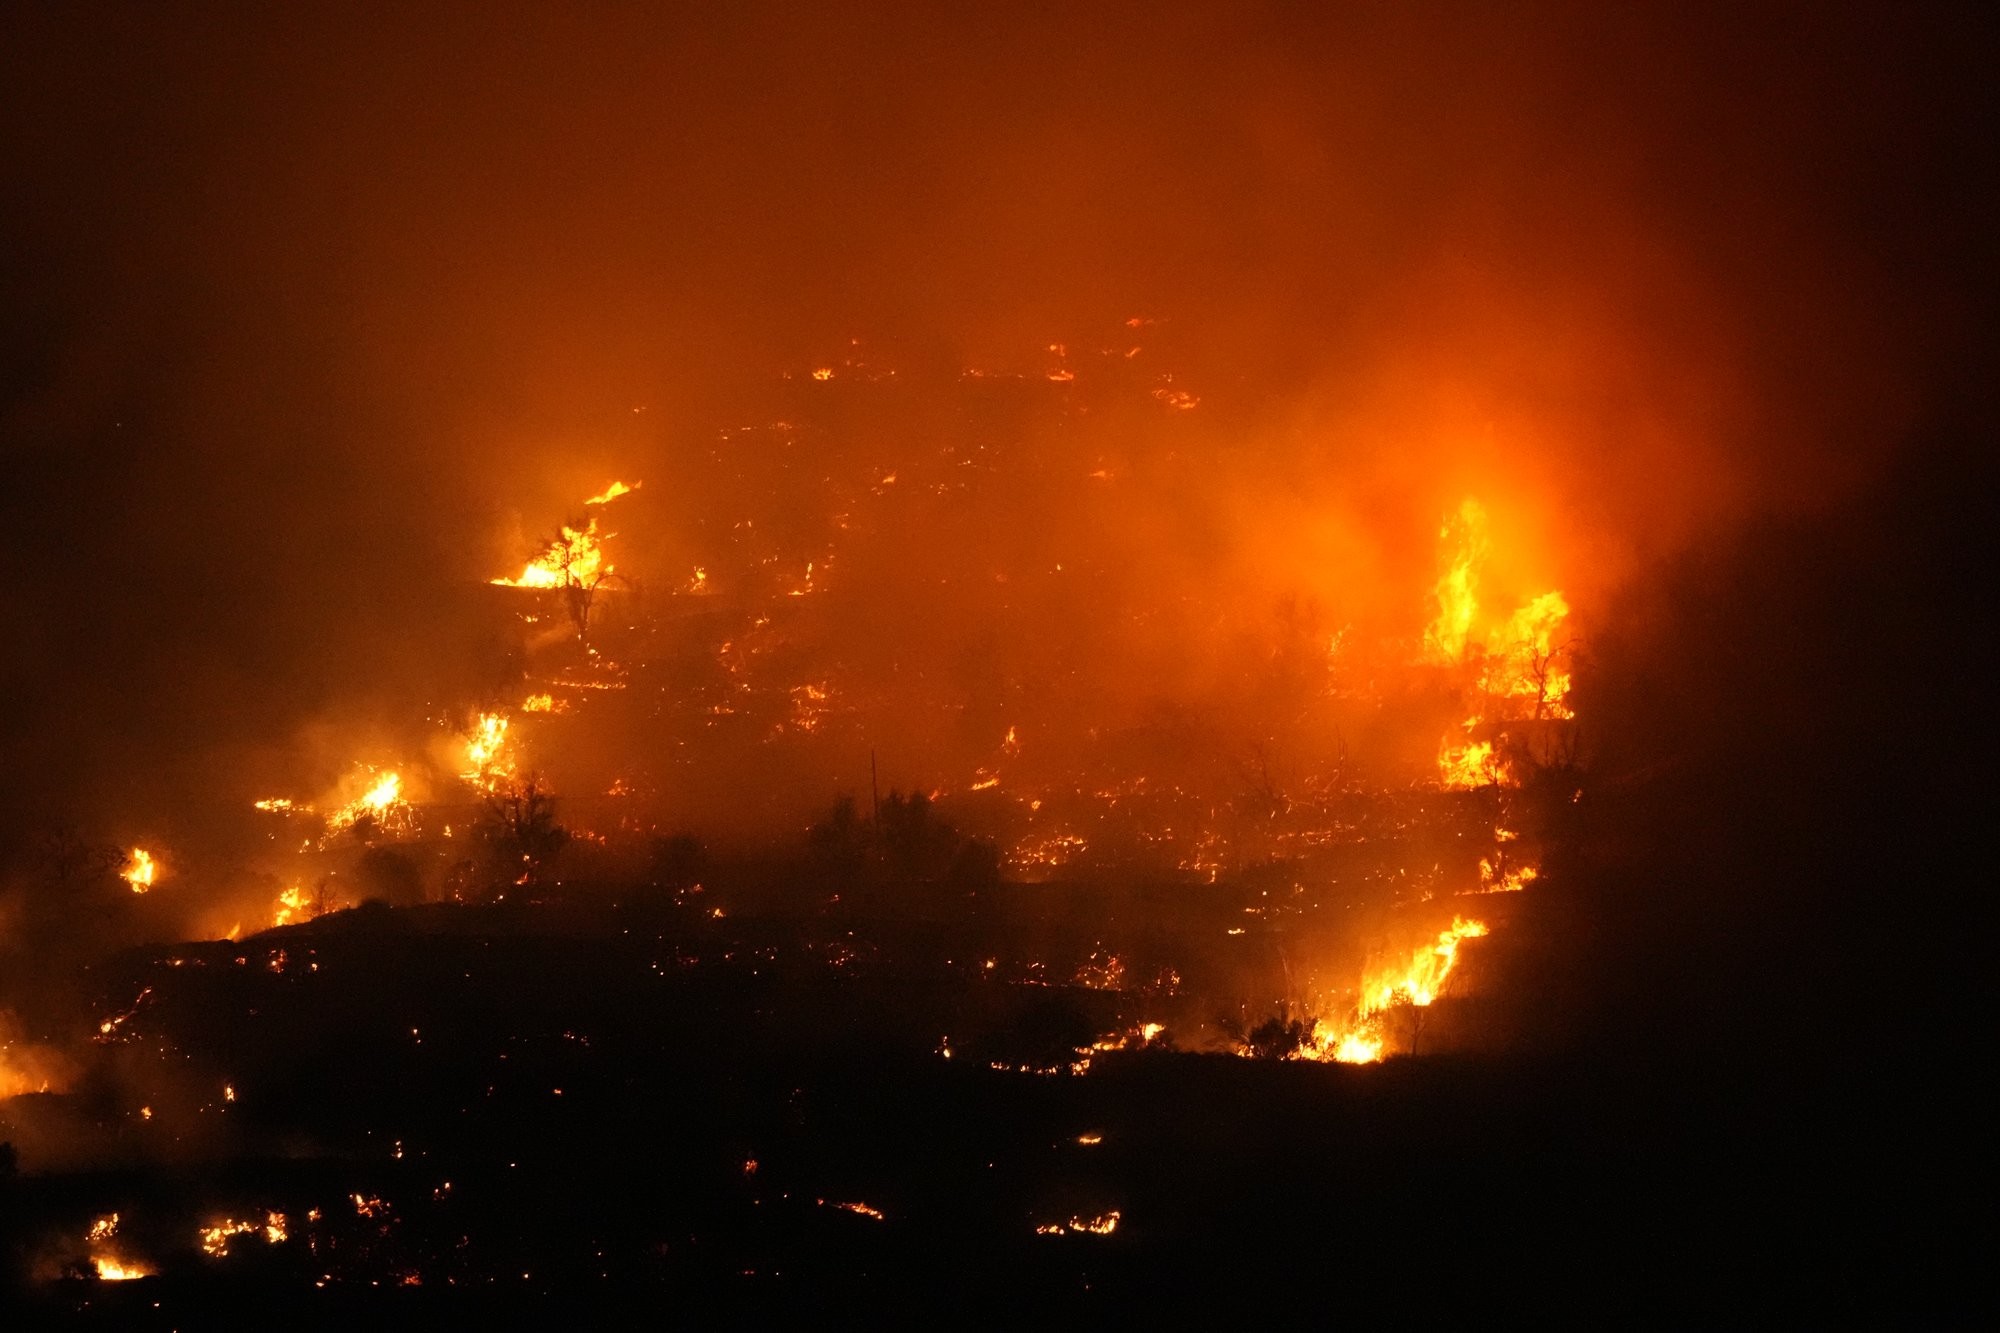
(310, 316)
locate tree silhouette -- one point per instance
(839, 843)
(521, 817)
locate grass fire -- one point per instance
(1008, 666)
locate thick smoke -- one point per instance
(312, 326)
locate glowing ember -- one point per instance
(109, 1027)
(1101, 1225)
(1511, 880)
(140, 870)
(215, 1239)
(860, 1209)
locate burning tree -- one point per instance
(572, 562)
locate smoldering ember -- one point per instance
(1006, 664)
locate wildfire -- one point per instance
(1103, 1224)
(293, 906)
(16, 1081)
(140, 870)
(1523, 671)
(1458, 585)
(382, 802)
(574, 560)
(1423, 977)
(489, 763)
(108, 1266)
(109, 1027)
(1357, 1048)
(612, 492)
(859, 1209)
(1415, 980)
(1466, 765)
(1510, 880)
(215, 1239)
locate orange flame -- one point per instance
(488, 759)
(140, 871)
(574, 559)
(612, 492)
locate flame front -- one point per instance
(215, 1239)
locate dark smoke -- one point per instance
(309, 323)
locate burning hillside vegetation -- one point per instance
(1274, 833)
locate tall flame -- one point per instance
(489, 760)
(1458, 584)
(1523, 665)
